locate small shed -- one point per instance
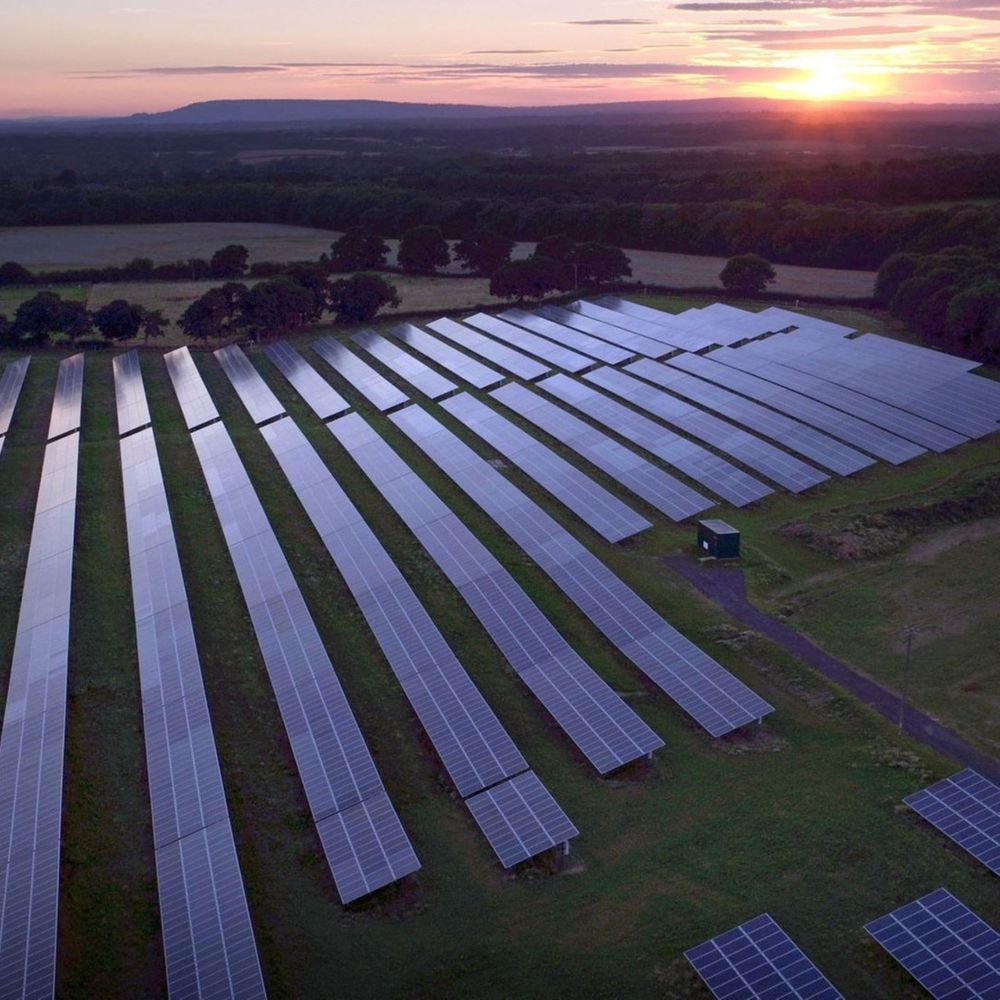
(718, 539)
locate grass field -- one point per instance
(49, 247)
(801, 819)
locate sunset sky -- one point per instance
(67, 57)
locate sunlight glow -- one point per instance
(829, 79)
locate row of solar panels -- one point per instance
(10, 391)
(34, 722)
(949, 950)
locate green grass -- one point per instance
(12, 296)
(802, 821)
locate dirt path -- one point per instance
(724, 586)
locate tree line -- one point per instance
(850, 234)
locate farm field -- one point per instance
(801, 818)
(46, 247)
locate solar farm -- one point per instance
(353, 666)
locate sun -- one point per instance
(826, 78)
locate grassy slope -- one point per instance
(712, 834)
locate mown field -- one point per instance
(801, 819)
(50, 247)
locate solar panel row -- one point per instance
(950, 951)
(254, 392)
(404, 365)
(845, 426)
(208, 939)
(366, 848)
(615, 335)
(196, 404)
(874, 411)
(966, 808)
(68, 403)
(699, 464)
(504, 357)
(631, 470)
(379, 391)
(662, 329)
(546, 350)
(604, 728)
(702, 687)
(470, 741)
(583, 343)
(759, 961)
(593, 504)
(800, 438)
(318, 394)
(746, 448)
(34, 722)
(130, 396)
(468, 369)
(10, 389)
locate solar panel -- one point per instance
(883, 415)
(712, 471)
(631, 470)
(318, 394)
(663, 330)
(130, 395)
(839, 424)
(949, 950)
(404, 365)
(461, 365)
(334, 763)
(759, 961)
(67, 406)
(33, 735)
(520, 819)
(470, 741)
(625, 339)
(195, 402)
(524, 340)
(601, 510)
(208, 937)
(10, 389)
(604, 728)
(584, 343)
(255, 394)
(707, 691)
(504, 357)
(795, 436)
(746, 448)
(380, 392)
(966, 808)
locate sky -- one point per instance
(67, 57)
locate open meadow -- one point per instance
(801, 818)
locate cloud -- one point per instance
(811, 34)
(975, 9)
(513, 52)
(615, 21)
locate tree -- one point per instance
(748, 273)
(556, 247)
(77, 320)
(7, 338)
(532, 278)
(483, 252)
(422, 250)
(208, 316)
(153, 325)
(358, 250)
(38, 318)
(274, 307)
(973, 319)
(316, 282)
(119, 319)
(893, 272)
(597, 264)
(229, 261)
(12, 273)
(359, 298)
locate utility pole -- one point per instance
(909, 631)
